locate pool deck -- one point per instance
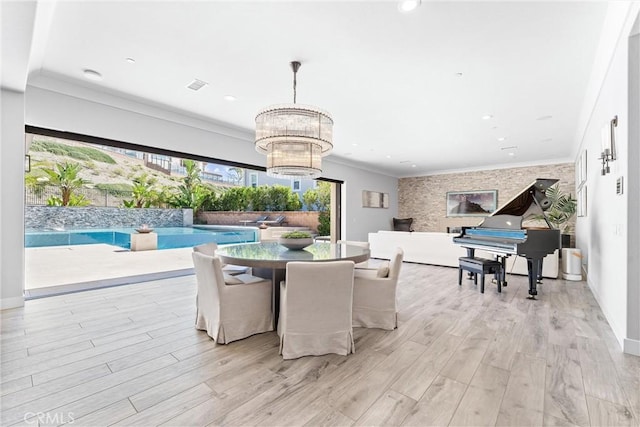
(62, 269)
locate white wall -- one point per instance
(12, 190)
(603, 234)
(123, 120)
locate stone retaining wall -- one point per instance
(307, 219)
(58, 217)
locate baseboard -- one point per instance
(7, 303)
(632, 346)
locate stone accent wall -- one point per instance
(308, 219)
(424, 197)
(58, 217)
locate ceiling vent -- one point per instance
(197, 84)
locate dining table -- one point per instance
(269, 260)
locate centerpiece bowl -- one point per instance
(296, 240)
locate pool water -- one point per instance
(168, 237)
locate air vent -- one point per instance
(197, 84)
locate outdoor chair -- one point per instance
(256, 221)
(279, 220)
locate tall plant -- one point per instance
(191, 193)
(562, 210)
(143, 192)
(66, 177)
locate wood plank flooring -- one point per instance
(130, 355)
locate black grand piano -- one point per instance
(502, 232)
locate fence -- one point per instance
(95, 196)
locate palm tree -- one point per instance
(66, 178)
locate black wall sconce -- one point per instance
(608, 153)
(27, 163)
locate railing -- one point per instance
(95, 196)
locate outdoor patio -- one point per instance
(54, 270)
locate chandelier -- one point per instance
(294, 137)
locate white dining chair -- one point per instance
(210, 249)
(374, 295)
(233, 309)
(316, 302)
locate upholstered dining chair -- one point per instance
(365, 245)
(374, 295)
(210, 249)
(315, 309)
(230, 309)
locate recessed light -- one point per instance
(544, 117)
(512, 154)
(459, 74)
(413, 166)
(502, 138)
(408, 5)
(388, 156)
(131, 60)
(229, 98)
(355, 144)
(92, 74)
(487, 117)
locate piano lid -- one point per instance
(522, 202)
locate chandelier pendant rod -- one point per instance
(295, 65)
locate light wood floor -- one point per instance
(130, 355)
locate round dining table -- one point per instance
(269, 260)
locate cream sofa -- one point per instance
(439, 249)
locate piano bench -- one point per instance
(480, 266)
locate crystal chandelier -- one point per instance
(294, 137)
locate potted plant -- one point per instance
(295, 240)
(560, 213)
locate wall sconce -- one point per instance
(608, 153)
(27, 163)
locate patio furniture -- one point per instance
(279, 220)
(253, 221)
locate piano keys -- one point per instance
(502, 233)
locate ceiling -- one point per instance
(407, 91)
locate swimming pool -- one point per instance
(168, 237)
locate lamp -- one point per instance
(294, 137)
(608, 142)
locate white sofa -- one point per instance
(439, 249)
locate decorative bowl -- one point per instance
(144, 229)
(295, 244)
